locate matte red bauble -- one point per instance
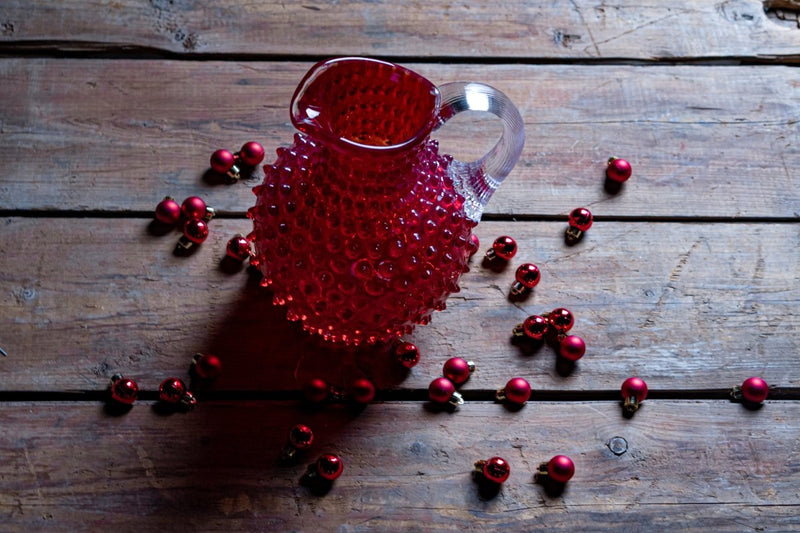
(618, 170)
(193, 208)
(251, 154)
(516, 391)
(362, 390)
(755, 390)
(168, 211)
(572, 347)
(458, 370)
(634, 391)
(560, 468)
(207, 366)
(440, 390)
(316, 390)
(222, 161)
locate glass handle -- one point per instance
(477, 180)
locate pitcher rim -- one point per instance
(302, 122)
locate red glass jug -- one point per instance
(361, 227)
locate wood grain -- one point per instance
(707, 466)
(686, 306)
(581, 29)
(86, 135)
(688, 278)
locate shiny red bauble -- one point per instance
(517, 391)
(407, 354)
(634, 388)
(168, 211)
(503, 247)
(238, 248)
(171, 390)
(223, 160)
(560, 468)
(561, 320)
(755, 390)
(618, 170)
(193, 208)
(196, 231)
(496, 469)
(252, 153)
(571, 347)
(329, 466)
(535, 327)
(301, 437)
(473, 245)
(362, 390)
(316, 390)
(441, 390)
(580, 219)
(207, 366)
(124, 390)
(457, 370)
(528, 275)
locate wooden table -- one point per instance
(688, 278)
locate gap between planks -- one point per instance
(487, 217)
(50, 50)
(400, 395)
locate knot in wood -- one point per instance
(617, 445)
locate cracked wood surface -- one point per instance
(715, 142)
(686, 306)
(700, 466)
(578, 29)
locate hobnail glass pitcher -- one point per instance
(361, 227)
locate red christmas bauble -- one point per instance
(171, 390)
(561, 468)
(330, 466)
(496, 469)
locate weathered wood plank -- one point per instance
(119, 135)
(708, 466)
(583, 29)
(683, 305)
(687, 306)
